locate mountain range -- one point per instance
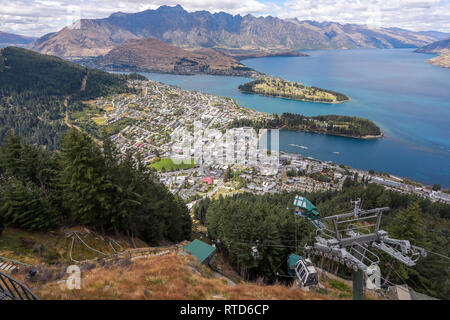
(175, 25)
(10, 39)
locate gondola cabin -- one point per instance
(303, 269)
(306, 273)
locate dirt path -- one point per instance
(66, 117)
(70, 125)
(83, 83)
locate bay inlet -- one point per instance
(407, 97)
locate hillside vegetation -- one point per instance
(86, 185)
(39, 248)
(291, 90)
(36, 90)
(172, 276)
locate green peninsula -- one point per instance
(291, 90)
(353, 127)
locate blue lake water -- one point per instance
(407, 97)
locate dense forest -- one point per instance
(329, 124)
(237, 222)
(36, 90)
(291, 90)
(83, 184)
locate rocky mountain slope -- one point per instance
(94, 37)
(82, 39)
(153, 55)
(442, 48)
(442, 61)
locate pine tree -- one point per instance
(87, 190)
(406, 224)
(24, 206)
(228, 174)
(2, 225)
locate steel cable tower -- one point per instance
(349, 239)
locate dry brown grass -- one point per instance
(37, 248)
(91, 102)
(169, 276)
(166, 277)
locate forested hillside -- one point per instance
(43, 190)
(237, 222)
(34, 89)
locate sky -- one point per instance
(39, 17)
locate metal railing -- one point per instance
(11, 289)
(7, 264)
(126, 253)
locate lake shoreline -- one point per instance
(367, 137)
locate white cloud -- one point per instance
(38, 17)
(409, 14)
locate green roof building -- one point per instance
(202, 251)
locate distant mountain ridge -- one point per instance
(438, 35)
(10, 39)
(441, 46)
(95, 37)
